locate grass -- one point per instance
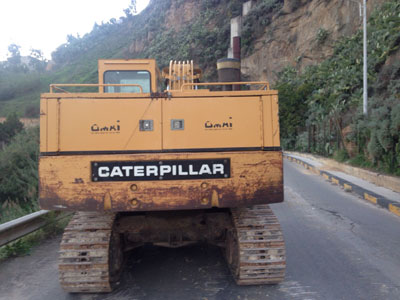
(341, 155)
(360, 161)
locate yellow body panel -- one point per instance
(271, 121)
(76, 124)
(80, 128)
(108, 124)
(275, 121)
(53, 125)
(221, 122)
(43, 126)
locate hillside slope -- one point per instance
(278, 33)
(303, 33)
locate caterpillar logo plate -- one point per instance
(160, 170)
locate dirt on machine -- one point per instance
(149, 156)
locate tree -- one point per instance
(38, 54)
(14, 55)
(18, 168)
(131, 10)
(11, 126)
(37, 60)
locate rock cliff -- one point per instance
(302, 33)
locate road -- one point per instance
(338, 247)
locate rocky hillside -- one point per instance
(302, 33)
(276, 34)
(298, 33)
(321, 102)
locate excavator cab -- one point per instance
(128, 76)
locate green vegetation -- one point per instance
(18, 169)
(18, 184)
(322, 35)
(255, 22)
(9, 129)
(19, 151)
(205, 39)
(321, 108)
(21, 81)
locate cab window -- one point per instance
(127, 77)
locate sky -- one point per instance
(45, 24)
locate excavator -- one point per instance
(158, 157)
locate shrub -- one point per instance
(9, 129)
(19, 168)
(322, 35)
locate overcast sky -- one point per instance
(45, 24)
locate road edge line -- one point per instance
(371, 197)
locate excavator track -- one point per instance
(90, 255)
(255, 247)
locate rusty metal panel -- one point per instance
(66, 184)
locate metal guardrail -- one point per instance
(20, 227)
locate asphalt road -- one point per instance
(338, 247)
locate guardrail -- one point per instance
(20, 227)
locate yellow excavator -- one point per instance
(150, 156)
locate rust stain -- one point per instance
(260, 184)
(255, 164)
(78, 180)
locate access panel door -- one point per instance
(212, 123)
(102, 125)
